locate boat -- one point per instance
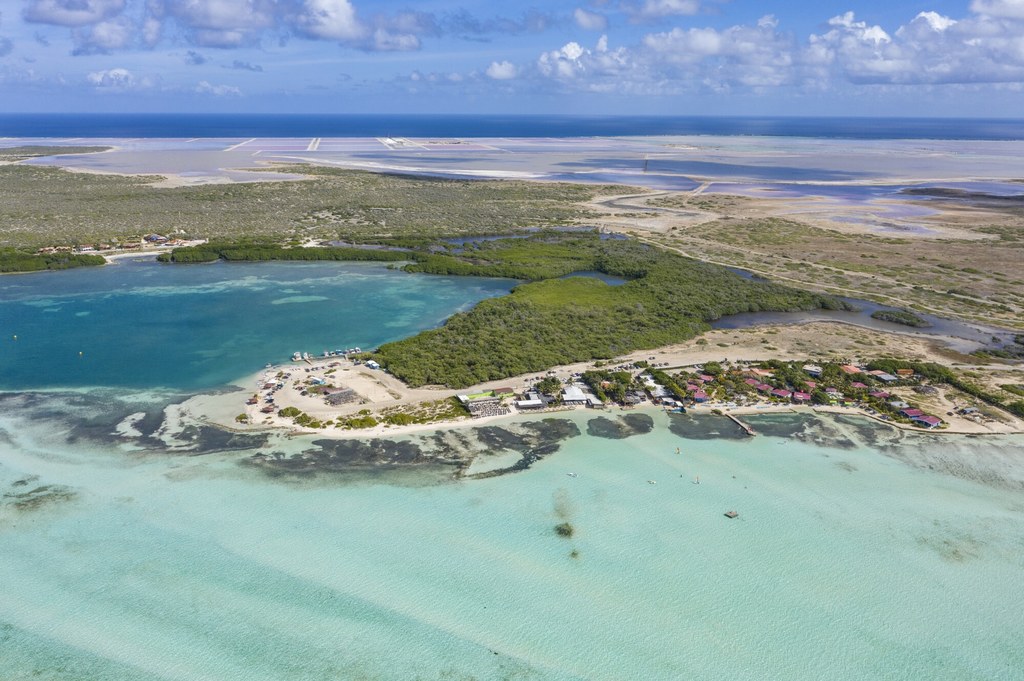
(732, 514)
(571, 475)
(696, 480)
(652, 482)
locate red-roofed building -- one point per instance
(857, 384)
(928, 421)
(765, 388)
(753, 382)
(812, 384)
(691, 388)
(850, 369)
(779, 392)
(700, 396)
(880, 394)
(706, 378)
(911, 413)
(801, 397)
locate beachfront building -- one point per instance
(813, 370)
(573, 395)
(532, 401)
(927, 421)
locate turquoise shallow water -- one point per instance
(141, 324)
(859, 553)
(844, 564)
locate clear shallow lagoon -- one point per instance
(142, 324)
(844, 564)
(859, 552)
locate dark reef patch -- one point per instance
(533, 440)
(210, 440)
(38, 497)
(620, 428)
(705, 427)
(808, 428)
(446, 454)
(552, 430)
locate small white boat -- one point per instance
(696, 480)
(652, 482)
(571, 475)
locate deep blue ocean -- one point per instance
(364, 125)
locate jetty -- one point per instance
(746, 429)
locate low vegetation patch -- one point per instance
(550, 321)
(16, 260)
(900, 317)
(12, 154)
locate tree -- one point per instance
(549, 385)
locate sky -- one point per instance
(658, 57)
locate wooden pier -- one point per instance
(746, 429)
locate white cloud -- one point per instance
(930, 49)
(657, 9)
(330, 20)
(846, 25)
(501, 70)
(386, 41)
(219, 15)
(590, 21)
(1009, 9)
(105, 36)
(72, 12)
(205, 88)
(117, 80)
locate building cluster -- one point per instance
(133, 243)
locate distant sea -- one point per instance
(366, 125)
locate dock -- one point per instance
(746, 429)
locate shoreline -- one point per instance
(380, 391)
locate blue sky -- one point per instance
(686, 57)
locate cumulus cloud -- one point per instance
(118, 80)
(107, 25)
(105, 36)
(206, 88)
(504, 70)
(659, 9)
(928, 49)
(752, 56)
(72, 12)
(193, 58)
(1009, 9)
(590, 21)
(330, 20)
(216, 23)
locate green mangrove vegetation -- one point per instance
(900, 317)
(256, 252)
(551, 321)
(18, 260)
